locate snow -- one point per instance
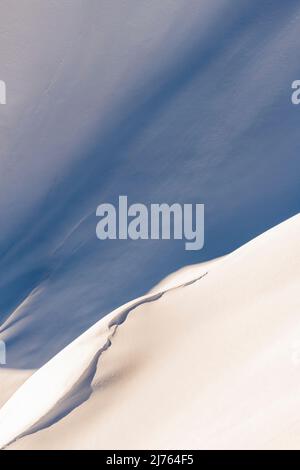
(166, 102)
(211, 359)
(171, 101)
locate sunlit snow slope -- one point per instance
(209, 364)
(163, 101)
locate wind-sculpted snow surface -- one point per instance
(76, 380)
(169, 101)
(208, 364)
(163, 101)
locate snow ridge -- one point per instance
(80, 389)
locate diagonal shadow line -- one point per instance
(93, 172)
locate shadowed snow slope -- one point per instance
(163, 101)
(209, 364)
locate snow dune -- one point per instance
(212, 363)
(164, 101)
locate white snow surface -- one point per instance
(208, 364)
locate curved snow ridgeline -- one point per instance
(171, 101)
(209, 363)
(59, 397)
